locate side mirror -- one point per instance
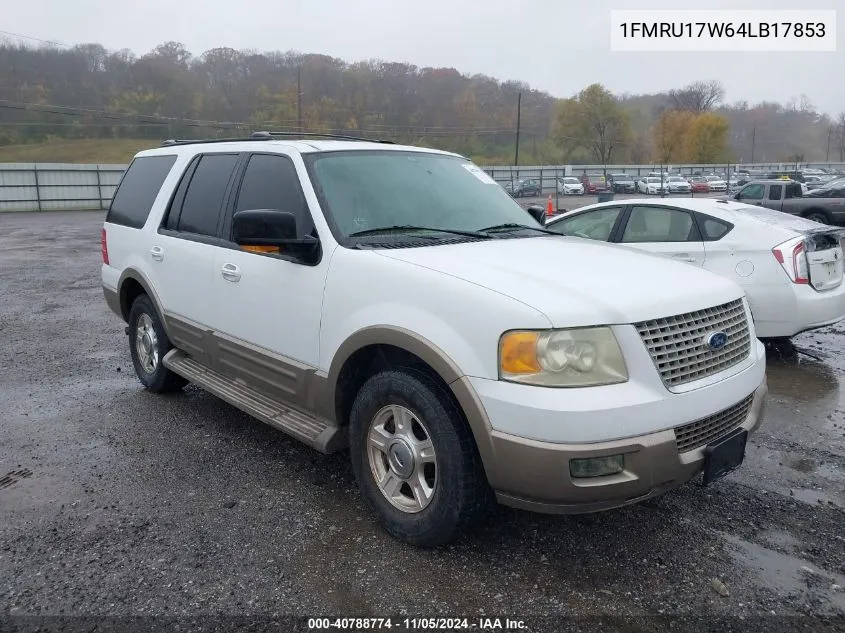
(538, 213)
(268, 227)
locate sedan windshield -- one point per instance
(676, 179)
(571, 181)
(371, 190)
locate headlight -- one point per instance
(579, 357)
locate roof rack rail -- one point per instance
(269, 136)
(265, 135)
(182, 141)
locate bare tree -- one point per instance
(840, 135)
(699, 96)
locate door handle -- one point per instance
(157, 253)
(231, 272)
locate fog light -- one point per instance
(596, 466)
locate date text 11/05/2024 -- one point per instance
(481, 624)
(722, 29)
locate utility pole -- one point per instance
(518, 125)
(829, 133)
(299, 96)
(753, 138)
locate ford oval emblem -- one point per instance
(716, 340)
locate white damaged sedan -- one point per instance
(790, 268)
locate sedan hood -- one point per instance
(575, 281)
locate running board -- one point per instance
(317, 433)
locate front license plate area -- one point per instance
(724, 456)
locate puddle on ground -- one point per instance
(814, 497)
(788, 575)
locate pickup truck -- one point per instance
(787, 196)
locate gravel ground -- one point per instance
(116, 502)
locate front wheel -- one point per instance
(415, 460)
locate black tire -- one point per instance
(818, 216)
(461, 493)
(160, 379)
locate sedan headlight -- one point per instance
(578, 357)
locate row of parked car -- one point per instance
(652, 183)
(656, 183)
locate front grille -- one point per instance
(678, 347)
(697, 434)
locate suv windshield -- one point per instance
(374, 189)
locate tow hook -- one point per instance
(126, 330)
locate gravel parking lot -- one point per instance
(117, 502)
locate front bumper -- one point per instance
(537, 477)
(531, 433)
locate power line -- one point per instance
(34, 39)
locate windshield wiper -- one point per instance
(511, 226)
(400, 228)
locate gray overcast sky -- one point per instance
(555, 45)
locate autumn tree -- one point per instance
(706, 139)
(595, 121)
(669, 135)
(699, 96)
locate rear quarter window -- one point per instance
(138, 190)
(713, 229)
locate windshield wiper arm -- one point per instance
(399, 228)
(513, 226)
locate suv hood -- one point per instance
(575, 281)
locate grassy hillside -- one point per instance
(114, 150)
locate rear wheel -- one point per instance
(817, 216)
(415, 459)
(148, 343)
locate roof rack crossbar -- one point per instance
(344, 137)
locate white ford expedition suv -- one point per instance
(397, 302)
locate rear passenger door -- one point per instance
(184, 249)
(268, 304)
(665, 231)
(774, 197)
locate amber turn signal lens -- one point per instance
(260, 249)
(518, 353)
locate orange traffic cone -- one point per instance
(549, 208)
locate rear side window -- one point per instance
(204, 197)
(775, 192)
(659, 224)
(271, 182)
(138, 190)
(793, 190)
